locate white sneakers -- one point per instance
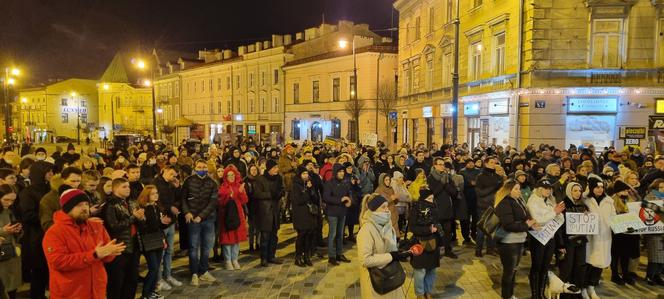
(163, 286)
(194, 280)
(229, 266)
(206, 277)
(173, 282)
(584, 293)
(236, 265)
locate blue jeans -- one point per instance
(231, 252)
(268, 245)
(153, 260)
(167, 259)
(424, 279)
(201, 239)
(336, 233)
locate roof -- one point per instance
(163, 56)
(121, 70)
(335, 54)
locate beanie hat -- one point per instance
(619, 186)
(72, 197)
(43, 150)
(425, 192)
(594, 181)
(376, 202)
(70, 146)
(271, 163)
(519, 173)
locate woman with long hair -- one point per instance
(152, 225)
(515, 221)
(231, 191)
(573, 265)
(385, 189)
(629, 243)
(252, 206)
(10, 232)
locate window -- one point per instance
(238, 106)
(251, 79)
(262, 78)
(295, 126)
(406, 79)
(64, 102)
(275, 105)
(84, 118)
(296, 93)
(262, 103)
(429, 77)
(351, 130)
(353, 87)
(65, 118)
(202, 86)
(417, 28)
(447, 69)
(211, 108)
(252, 105)
(229, 105)
(228, 82)
(84, 103)
(499, 54)
(336, 128)
(219, 107)
(276, 76)
(315, 91)
(335, 89)
(431, 19)
(218, 83)
(210, 85)
(408, 37)
(449, 11)
(607, 40)
(117, 102)
(477, 3)
(194, 87)
(237, 82)
(475, 61)
(416, 79)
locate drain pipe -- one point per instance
(517, 115)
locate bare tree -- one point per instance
(354, 108)
(387, 103)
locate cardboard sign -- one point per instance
(651, 221)
(330, 141)
(621, 223)
(548, 230)
(370, 139)
(582, 223)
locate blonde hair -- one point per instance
(504, 191)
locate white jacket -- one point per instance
(541, 209)
(598, 250)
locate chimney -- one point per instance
(288, 39)
(227, 54)
(266, 44)
(299, 36)
(259, 46)
(251, 48)
(241, 50)
(277, 40)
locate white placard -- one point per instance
(582, 223)
(370, 139)
(621, 223)
(548, 230)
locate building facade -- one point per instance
(54, 112)
(562, 72)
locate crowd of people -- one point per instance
(73, 222)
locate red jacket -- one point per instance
(73, 269)
(240, 198)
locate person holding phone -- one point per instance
(10, 232)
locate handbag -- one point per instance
(151, 241)
(388, 278)
(313, 209)
(489, 222)
(7, 251)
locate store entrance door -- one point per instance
(473, 137)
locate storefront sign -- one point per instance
(582, 223)
(632, 142)
(633, 132)
(471, 109)
(548, 230)
(67, 109)
(540, 104)
(652, 222)
(446, 110)
(499, 107)
(656, 122)
(592, 105)
(427, 111)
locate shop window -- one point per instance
(336, 128)
(607, 43)
(295, 127)
(499, 54)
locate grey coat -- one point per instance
(10, 273)
(372, 252)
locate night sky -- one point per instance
(52, 39)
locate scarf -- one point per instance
(438, 176)
(382, 222)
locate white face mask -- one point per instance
(152, 162)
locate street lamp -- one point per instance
(7, 82)
(140, 64)
(343, 44)
(78, 118)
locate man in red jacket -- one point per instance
(76, 249)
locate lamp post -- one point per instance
(26, 107)
(142, 65)
(8, 81)
(455, 79)
(356, 112)
(78, 118)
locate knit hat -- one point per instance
(519, 173)
(619, 186)
(544, 183)
(594, 181)
(43, 150)
(376, 202)
(72, 197)
(271, 163)
(425, 192)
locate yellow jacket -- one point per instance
(415, 186)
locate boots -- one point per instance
(535, 286)
(299, 260)
(307, 260)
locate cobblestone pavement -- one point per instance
(466, 277)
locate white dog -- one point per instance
(556, 286)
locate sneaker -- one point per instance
(207, 277)
(173, 282)
(156, 295)
(194, 280)
(236, 265)
(229, 266)
(163, 285)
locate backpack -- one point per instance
(232, 216)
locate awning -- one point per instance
(183, 122)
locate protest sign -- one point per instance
(582, 223)
(650, 220)
(370, 139)
(623, 222)
(548, 230)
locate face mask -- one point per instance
(201, 173)
(121, 160)
(381, 218)
(39, 158)
(152, 162)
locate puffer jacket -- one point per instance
(333, 191)
(268, 192)
(199, 196)
(488, 182)
(119, 220)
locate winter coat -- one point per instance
(148, 173)
(301, 197)
(286, 169)
(444, 194)
(572, 207)
(333, 191)
(513, 215)
(469, 181)
(119, 222)
(169, 196)
(48, 205)
(598, 250)
(422, 215)
(542, 209)
(10, 275)
(488, 182)
(388, 192)
(268, 191)
(415, 186)
(152, 222)
(372, 252)
(199, 196)
(367, 179)
(227, 192)
(74, 271)
(460, 205)
(28, 213)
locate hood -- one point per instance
(381, 179)
(361, 160)
(336, 168)
(233, 169)
(38, 172)
(397, 175)
(568, 191)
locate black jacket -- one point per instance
(199, 196)
(333, 191)
(424, 165)
(148, 173)
(422, 215)
(152, 222)
(118, 219)
(136, 189)
(572, 240)
(444, 194)
(27, 208)
(268, 191)
(169, 196)
(488, 182)
(301, 198)
(513, 215)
